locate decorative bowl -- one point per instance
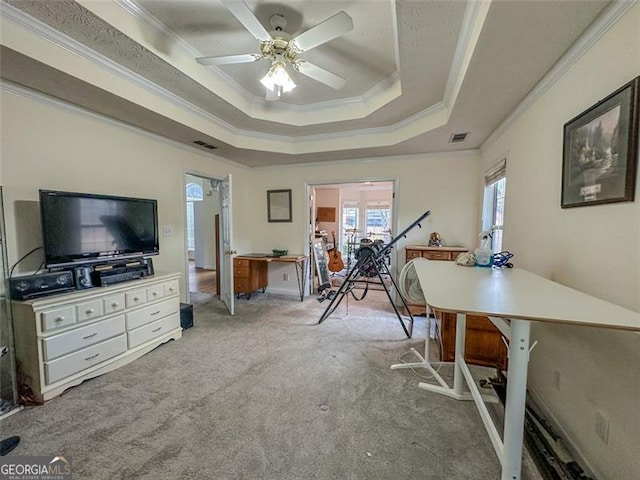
(279, 253)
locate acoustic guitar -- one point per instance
(335, 257)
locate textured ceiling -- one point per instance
(417, 71)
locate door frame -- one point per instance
(309, 223)
(206, 176)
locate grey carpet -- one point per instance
(267, 394)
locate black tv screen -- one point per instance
(82, 227)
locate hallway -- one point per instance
(202, 280)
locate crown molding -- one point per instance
(475, 15)
(380, 94)
(141, 14)
(42, 30)
(7, 87)
(421, 122)
(369, 160)
(614, 12)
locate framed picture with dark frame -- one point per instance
(600, 151)
(279, 205)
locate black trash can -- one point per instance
(186, 315)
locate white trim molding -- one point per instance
(614, 12)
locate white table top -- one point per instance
(516, 294)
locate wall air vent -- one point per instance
(205, 144)
(458, 137)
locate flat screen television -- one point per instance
(80, 228)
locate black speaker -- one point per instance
(186, 315)
(82, 277)
(33, 286)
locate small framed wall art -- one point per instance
(600, 152)
(279, 205)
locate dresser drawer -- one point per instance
(81, 360)
(240, 285)
(152, 330)
(137, 297)
(411, 254)
(152, 312)
(239, 262)
(58, 318)
(241, 272)
(82, 337)
(89, 310)
(431, 255)
(170, 288)
(155, 292)
(114, 303)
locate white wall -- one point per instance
(595, 249)
(444, 183)
(45, 145)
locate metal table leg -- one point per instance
(300, 276)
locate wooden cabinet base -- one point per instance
(249, 276)
(483, 341)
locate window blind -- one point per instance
(496, 172)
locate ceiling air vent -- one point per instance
(205, 144)
(458, 137)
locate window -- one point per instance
(378, 219)
(350, 211)
(194, 194)
(350, 227)
(493, 205)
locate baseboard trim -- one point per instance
(283, 291)
(557, 426)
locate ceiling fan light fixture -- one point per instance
(278, 79)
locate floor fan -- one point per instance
(409, 284)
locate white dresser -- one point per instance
(62, 340)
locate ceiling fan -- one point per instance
(281, 49)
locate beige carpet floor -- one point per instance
(267, 394)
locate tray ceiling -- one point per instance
(416, 71)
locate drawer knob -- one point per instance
(136, 299)
(157, 329)
(92, 357)
(90, 336)
(171, 289)
(90, 311)
(155, 313)
(59, 319)
(115, 304)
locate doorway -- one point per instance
(346, 215)
(202, 233)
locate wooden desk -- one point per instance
(250, 271)
(511, 298)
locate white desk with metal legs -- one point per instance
(511, 298)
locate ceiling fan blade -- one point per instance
(229, 59)
(245, 16)
(331, 28)
(320, 74)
